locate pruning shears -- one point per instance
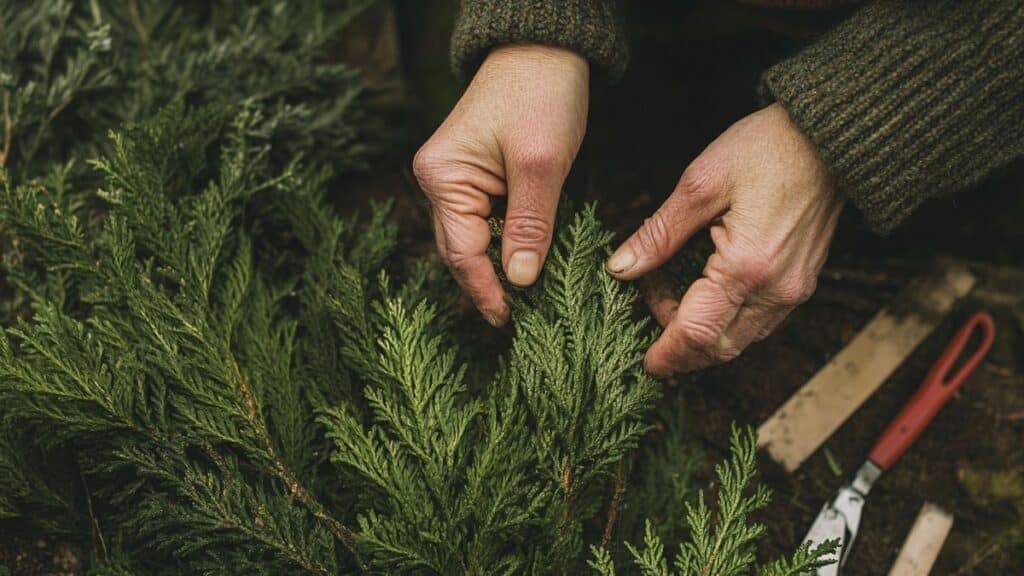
(840, 517)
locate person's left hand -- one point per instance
(772, 210)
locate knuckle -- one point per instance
(542, 160)
(725, 354)
(698, 336)
(796, 291)
(426, 164)
(725, 350)
(767, 328)
(527, 229)
(698, 180)
(654, 236)
(461, 270)
(754, 271)
(458, 260)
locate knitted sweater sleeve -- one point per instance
(589, 27)
(910, 99)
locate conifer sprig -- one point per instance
(147, 384)
(82, 68)
(722, 542)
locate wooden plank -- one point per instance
(811, 415)
(923, 543)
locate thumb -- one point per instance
(533, 193)
(691, 206)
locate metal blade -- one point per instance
(840, 518)
(829, 525)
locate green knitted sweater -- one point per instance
(904, 101)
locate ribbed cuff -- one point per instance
(910, 99)
(588, 27)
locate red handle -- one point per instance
(933, 393)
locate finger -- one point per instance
(755, 320)
(466, 238)
(659, 296)
(690, 207)
(439, 242)
(533, 190)
(691, 340)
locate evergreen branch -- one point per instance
(804, 562)
(295, 488)
(219, 508)
(125, 353)
(15, 486)
(203, 337)
(726, 549)
(651, 560)
(722, 543)
(602, 562)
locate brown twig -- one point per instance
(343, 533)
(567, 488)
(59, 108)
(92, 517)
(613, 508)
(8, 129)
(977, 559)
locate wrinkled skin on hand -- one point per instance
(772, 210)
(761, 188)
(515, 132)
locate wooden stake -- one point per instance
(810, 416)
(923, 543)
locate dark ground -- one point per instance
(693, 72)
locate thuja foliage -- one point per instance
(160, 359)
(70, 70)
(722, 543)
(207, 370)
(283, 405)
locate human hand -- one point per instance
(515, 131)
(772, 210)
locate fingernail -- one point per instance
(623, 259)
(497, 319)
(523, 267)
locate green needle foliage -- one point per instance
(452, 481)
(81, 67)
(169, 370)
(722, 543)
(205, 370)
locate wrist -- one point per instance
(812, 159)
(513, 58)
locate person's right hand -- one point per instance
(515, 131)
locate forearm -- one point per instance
(588, 27)
(907, 100)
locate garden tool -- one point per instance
(840, 517)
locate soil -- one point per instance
(23, 555)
